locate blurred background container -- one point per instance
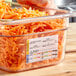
(63, 4)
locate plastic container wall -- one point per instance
(42, 46)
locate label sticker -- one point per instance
(42, 48)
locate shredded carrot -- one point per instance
(13, 49)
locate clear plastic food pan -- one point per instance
(32, 43)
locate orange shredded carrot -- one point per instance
(13, 49)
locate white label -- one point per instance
(42, 48)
